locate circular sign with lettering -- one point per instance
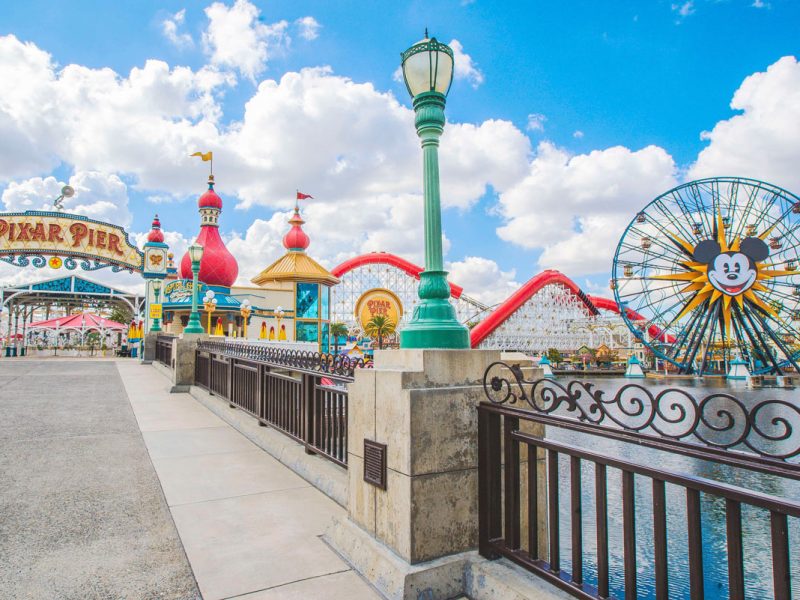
(55, 262)
(378, 302)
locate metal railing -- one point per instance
(164, 349)
(302, 394)
(522, 487)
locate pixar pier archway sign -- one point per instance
(55, 239)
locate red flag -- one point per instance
(302, 196)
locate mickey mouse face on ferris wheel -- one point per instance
(732, 273)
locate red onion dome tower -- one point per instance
(156, 235)
(296, 239)
(218, 266)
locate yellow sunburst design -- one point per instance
(699, 286)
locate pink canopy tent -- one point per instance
(79, 322)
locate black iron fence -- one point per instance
(302, 394)
(164, 349)
(527, 480)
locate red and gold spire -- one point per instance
(295, 265)
(296, 240)
(156, 235)
(218, 266)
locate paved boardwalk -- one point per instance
(249, 525)
(83, 515)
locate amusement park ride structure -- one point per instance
(712, 266)
(381, 270)
(703, 276)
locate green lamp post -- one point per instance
(156, 292)
(195, 254)
(428, 73)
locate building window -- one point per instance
(326, 294)
(306, 331)
(307, 301)
(325, 345)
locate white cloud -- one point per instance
(26, 141)
(36, 193)
(760, 4)
(98, 195)
(576, 207)
(536, 122)
(483, 279)
(398, 74)
(145, 124)
(236, 37)
(347, 159)
(464, 67)
(170, 28)
(578, 134)
(307, 126)
(683, 9)
(308, 28)
(761, 141)
(383, 223)
(177, 242)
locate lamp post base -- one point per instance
(435, 325)
(194, 326)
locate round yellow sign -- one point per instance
(55, 262)
(378, 302)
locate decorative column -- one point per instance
(428, 72)
(412, 426)
(157, 292)
(154, 269)
(196, 254)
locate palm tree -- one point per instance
(379, 326)
(337, 330)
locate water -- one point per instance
(755, 522)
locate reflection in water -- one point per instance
(755, 522)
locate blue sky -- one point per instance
(550, 86)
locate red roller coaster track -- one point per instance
(384, 258)
(549, 277)
(483, 329)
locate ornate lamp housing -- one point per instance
(196, 252)
(428, 72)
(428, 67)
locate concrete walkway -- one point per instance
(249, 525)
(82, 515)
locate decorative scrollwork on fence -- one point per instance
(313, 362)
(770, 428)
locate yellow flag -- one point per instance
(205, 156)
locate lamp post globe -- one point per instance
(428, 72)
(245, 309)
(196, 255)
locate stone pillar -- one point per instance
(422, 404)
(149, 352)
(183, 357)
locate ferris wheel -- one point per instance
(708, 272)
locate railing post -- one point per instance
(489, 492)
(262, 413)
(307, 392)
(229, 366)
(210, 371)
(511, 473)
